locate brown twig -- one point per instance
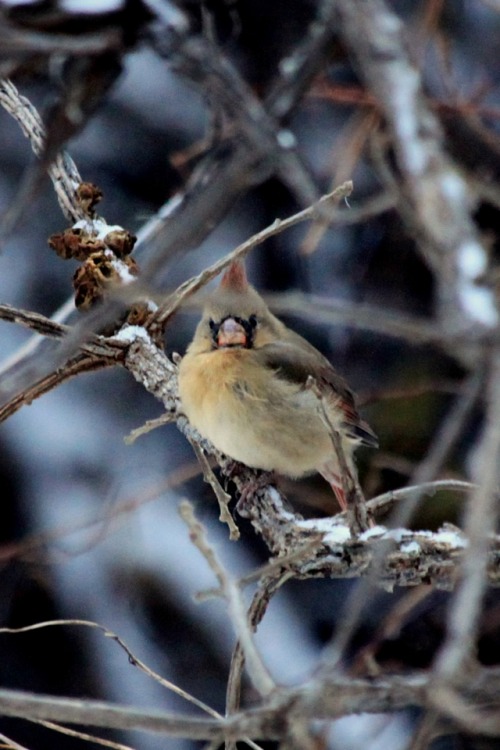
(165, 311)
(222, 497)
(76, 366)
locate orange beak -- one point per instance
(231, 333)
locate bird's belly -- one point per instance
(279, 431)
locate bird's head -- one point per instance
(235, 316)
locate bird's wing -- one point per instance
(296, 363)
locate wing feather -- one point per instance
(295, 364)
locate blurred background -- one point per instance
(89, 525)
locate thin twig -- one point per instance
(450, 429)
(223, 498)
(148, 426)
(76, 366)
(268, 587)
(189, 287)
(382, 503)
(133, 659)
(81, 735)
(11, 744)
(257, 671)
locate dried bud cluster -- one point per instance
(97, 274)
(80, 242)
(104, 251)
(88, 196)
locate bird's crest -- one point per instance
(235, 277)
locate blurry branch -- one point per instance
(481, 518)
(347, 151)
(258, 672)
(132, 658)
(75, 366)
(360, 316)
(9, 743)
(261, 148)
(299, 68)
(257, 125)
(355, 95)
(94, 354)
(17, 42)
(82, 735)
(323, 698)
(439, 203)
(383, 503)
(318, 210)
(63, 171)
(40, 546)
(451, 428)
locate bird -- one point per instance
(243, 385)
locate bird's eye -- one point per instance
(212, 324)
(253, 321)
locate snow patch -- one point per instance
(334, 533)
(411, 548)
(130, 333)
(472, 259)
(123, 271)
(478, 303)
(452, 538)
(286, 139)
(375, 531)
(339, 534)
(453, 187)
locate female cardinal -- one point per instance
(242, 384)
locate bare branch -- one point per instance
(82, 735)
(133, 659)
(481, 517)
(189, 287)
(35, 321)
(76, 366)
(63, 171)
(437, 193)
(222, 497)
(326, 698)
(258, 672)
